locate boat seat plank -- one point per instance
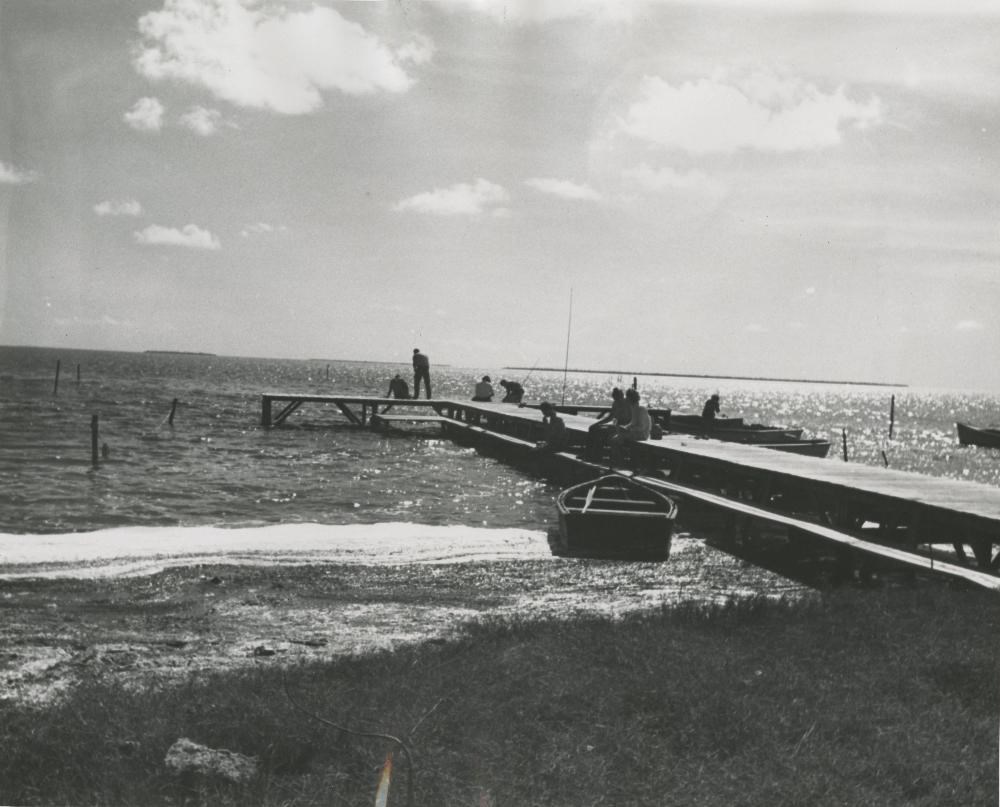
(623, 513)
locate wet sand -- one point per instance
(137, 604)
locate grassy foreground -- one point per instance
(857, 698)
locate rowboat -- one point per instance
(973, 436)
(615, 517)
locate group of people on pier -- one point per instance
(627, 421)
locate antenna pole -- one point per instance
(569, 328)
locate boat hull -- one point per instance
(972, 436)
(615, 517)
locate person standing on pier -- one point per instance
(421, 370)
(710, 410)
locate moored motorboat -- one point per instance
(974, 436)
(617, 517)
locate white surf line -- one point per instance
(147, 550)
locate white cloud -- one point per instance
(563, 188)
(201, 120)
(762, 112)
(968, 325)
(667, 178)
(146, 115)
(123, 207)
(462, 199)
(756, 327)
(189, 235)
(261, 228)
(254, 56)
(12, 175)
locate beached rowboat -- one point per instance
(615, 517)
(972, 436)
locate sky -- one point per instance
(770, 188)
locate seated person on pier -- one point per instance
(398, 388)
(484, 390)
(710, 410)
(555, 437)
(599, 432)
(635, 431)
(514, 391)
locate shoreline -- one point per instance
(174, 615)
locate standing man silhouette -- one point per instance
(421, 370)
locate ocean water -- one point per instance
(215, 466)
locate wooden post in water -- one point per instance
(843, 433)
(635, 383)
(94, 458)
(55, 387)
(892, 414)
(78, 374)
(173, 408)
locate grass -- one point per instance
(882, 698)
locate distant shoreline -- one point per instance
(181, 352)
(701, 375)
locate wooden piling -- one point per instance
(173, 409)
(843, 434)
(55, 387)
(78, 374)
(892, 414)
(94, 429)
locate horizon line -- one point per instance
(709, 375)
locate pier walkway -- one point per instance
(875, 511)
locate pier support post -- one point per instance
(265, 412)
(94, 457)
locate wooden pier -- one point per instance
(865, 513)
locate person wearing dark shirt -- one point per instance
(710, 410)
(421, 371)
(398, 388)
(555, 437)
(514, 392)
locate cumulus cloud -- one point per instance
(12, 175)
(202, 121)
(968, 325)
(563, 188)
(189, 235)
(462, 199)
(123, 207)
(146, 115)
(761, 112)
(670, 179)
(269, 58)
